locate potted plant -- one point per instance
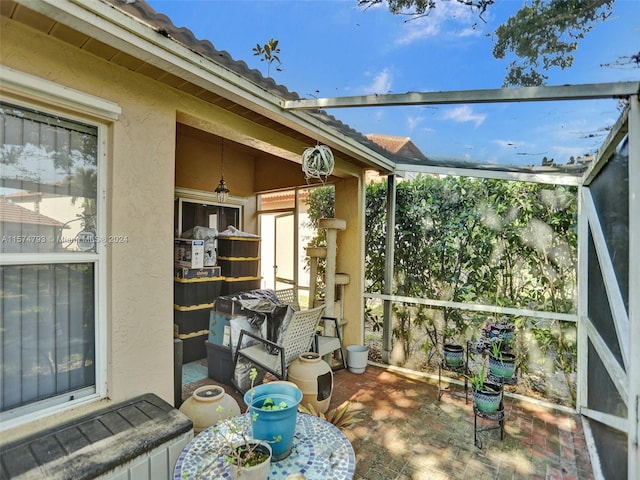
(487, 396)
(273, 410)
(501, 364)
(247, 457)
(503, 330)
(453, 355)
(317, 162)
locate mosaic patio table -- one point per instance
(320, 451)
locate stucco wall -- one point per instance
(139, 199)
(198, 163)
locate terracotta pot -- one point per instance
(314, 377)
(208, 405)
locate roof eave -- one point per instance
(114, 27)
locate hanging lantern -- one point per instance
(317, 162)
(222, 191)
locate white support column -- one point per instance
(387, 329)
(583, 289)
(634, 287)
(315, 253)
(331, 225)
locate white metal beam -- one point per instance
(613, 421)
(609, 146)
(546, 178)
(476, 307)
(633, 372)
(498, 95)
(616, 373)
(583, 305)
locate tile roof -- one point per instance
(144, 13)
(399, 145)
(12, 213)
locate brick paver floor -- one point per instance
(406, 433)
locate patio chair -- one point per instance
(296, 340)
(288, 296)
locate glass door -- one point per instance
(284, 251)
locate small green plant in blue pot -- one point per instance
(501, 364)
(273, 409)
(487, 396)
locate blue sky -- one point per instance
(335, 48)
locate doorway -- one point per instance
(285, 231)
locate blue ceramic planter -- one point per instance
(276, 427)
(503, 367)
(503, 333)
(453, 355)
(488, 399)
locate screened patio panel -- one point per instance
(610, 192)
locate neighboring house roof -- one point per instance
(12, 213)
(398, 145)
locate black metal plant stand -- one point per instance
(502, 380)
(459, 370)
(496, 417)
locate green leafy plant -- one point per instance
(340, 416)
(269, 404)
(496, 350)
(477, 379)
(269, 52)
(473, 241)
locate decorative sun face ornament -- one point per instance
(317, 162)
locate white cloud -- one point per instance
(414, 122)
(450, 18)
(381, 83)
(464, 114)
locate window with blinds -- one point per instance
(49, 249)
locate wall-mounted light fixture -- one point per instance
(222, 192)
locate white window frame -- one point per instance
(28, 91)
